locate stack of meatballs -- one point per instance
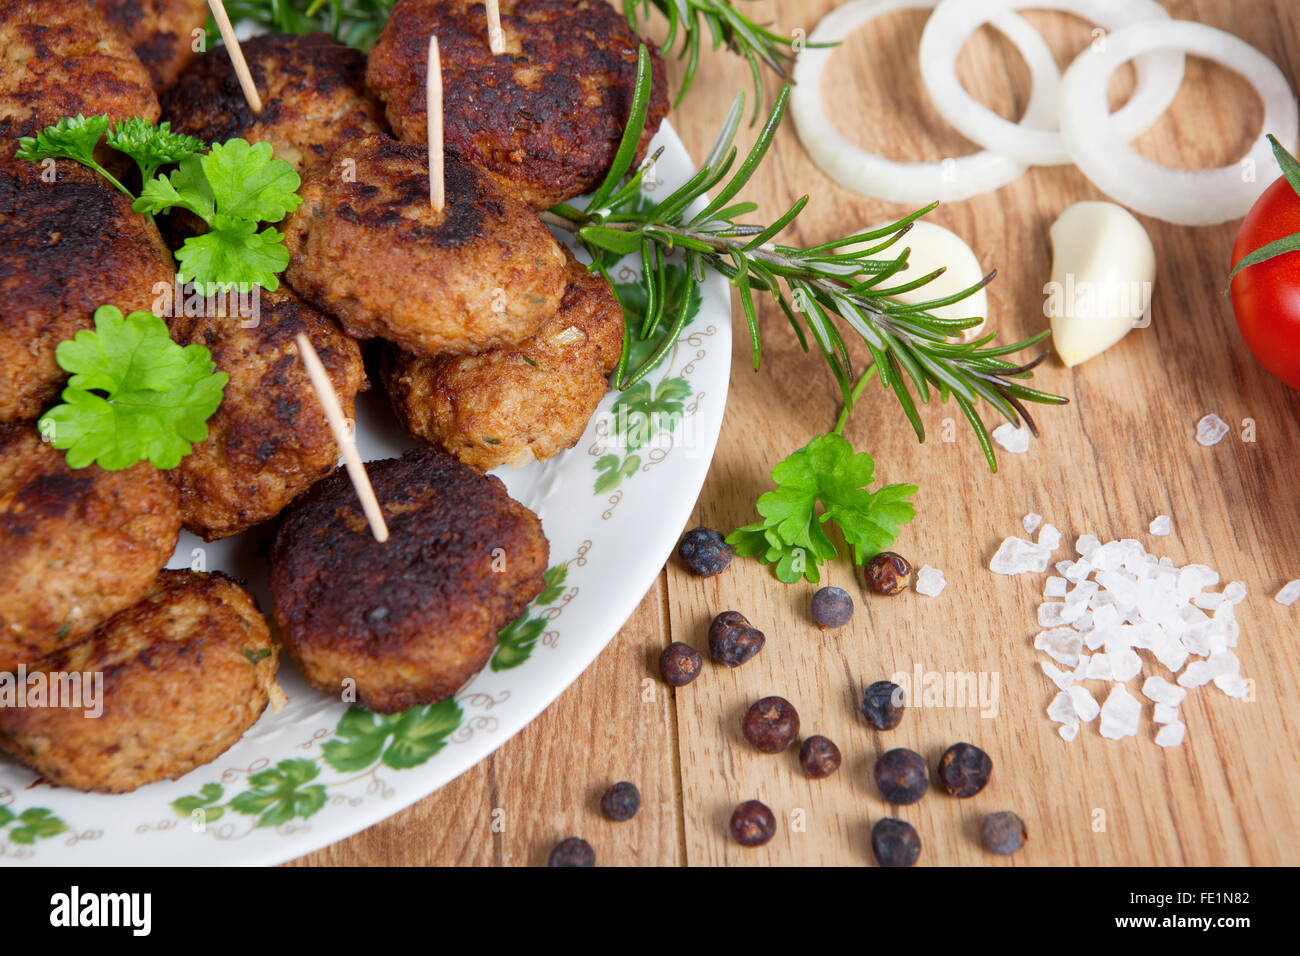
(493, 343)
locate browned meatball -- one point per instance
(77, 546)
(66, 248)
(162, 32)
(312, 87)
(370, 250)
(521, 403)
(184, 672)
(61, 58)
(269, 440)
(409, 620)
(546, 115)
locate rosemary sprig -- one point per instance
(688, 21)
(844, 281)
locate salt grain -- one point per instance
(1031, 522)
(1158, 689)
(1160, 526)
(1289, 594)
(1120, 714)
(1055, 587)
(1018, 556)
(929, 581)
(1210, 430)
(1014, 440)
(1164, 714)
(1085, 705)
(1171, 735)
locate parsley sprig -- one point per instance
(134, 394)
(843, 281)
(234, 187)
(825, 482)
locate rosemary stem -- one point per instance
(858, 386)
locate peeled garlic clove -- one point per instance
(1103, 275)
(934, 247)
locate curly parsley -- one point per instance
(134, 394)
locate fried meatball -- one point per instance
(77, 546)
(162, 32)
(66, 248)
(547, 115)
(412, 619)
(516, 404)
(269, 441)
(184, 672)
(61, 58)
(313, 92)
(371, 251)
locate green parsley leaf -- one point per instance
(826, 471)
(150, 145)
(232, 189)
(74, 138)
(235, 255)
(248, 182)
(134, 394)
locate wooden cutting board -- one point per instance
(1122, 452)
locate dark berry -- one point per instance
(1004, 833)
(832, 607)
(704, 551)
(575, 851)
(620, 802)
(680, 664)
(902, 776)
(887, 573)
(819, 756)
(752, 823)
(733, 640)
(883, 705)
(964, 770)
(771, 724)
(895, 843)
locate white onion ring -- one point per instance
(1180, 196)
(1160, 75)
(915, 183)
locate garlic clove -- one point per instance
(1103, 277)
(934, 247)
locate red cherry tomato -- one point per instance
(1266, 296)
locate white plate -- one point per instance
(612, 544)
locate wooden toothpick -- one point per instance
(236, 55)
(346, 441)
(433, 96)
(496, 39)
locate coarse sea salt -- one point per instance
(1289, 594)
(1120, 714)
(1014, 440)
(1018, 556)
(1119, 609)
(1160, 526)
(1171, 734)
(1031, 522)
(929, 581)
(1164, 714)
(1210, 430)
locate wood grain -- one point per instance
(1120, 453)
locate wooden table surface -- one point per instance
(1122, 452)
